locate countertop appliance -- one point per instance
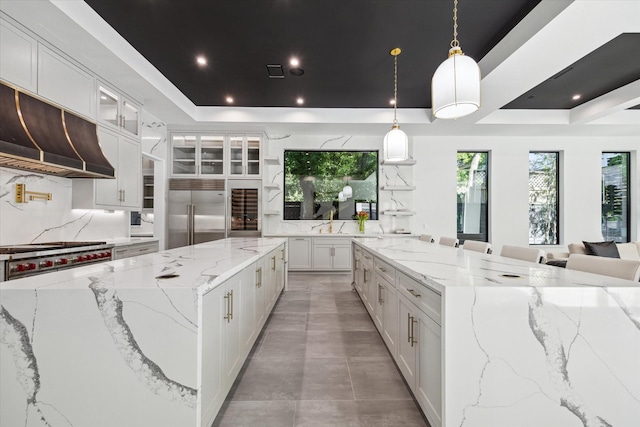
(18, 261)
(245, 214)
(196, 211)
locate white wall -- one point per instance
(435, 175)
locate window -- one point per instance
(616, 217)
(473, 196)
(543, 198)
(314, 180)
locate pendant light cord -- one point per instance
(455, 42)
(395, 89)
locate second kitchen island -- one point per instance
(155, 340)
(484, 340)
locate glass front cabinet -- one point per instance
(197, 155)
(117, 111)
(244, 155)
(204, 154)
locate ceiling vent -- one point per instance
(561, 73)
(275, 71)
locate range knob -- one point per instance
(64, 261)
(105, 255)
(79, 258)
(87, 257)
(94, 256)
(46, 264)
(21, 267)
(31, 266)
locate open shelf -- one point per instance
(409, 162)
(271, 161)
(398, 188)
(399, 213)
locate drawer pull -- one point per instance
(384, 270)
(412, 292)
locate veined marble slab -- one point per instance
(553, 347)
(111, 344)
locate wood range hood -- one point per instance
(37, 136)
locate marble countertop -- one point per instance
(200, 266)
(317, 234)
(126, 241)
(440, 267)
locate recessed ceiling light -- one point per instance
(229, 99)
(294, 62)
(201, 60)
(300, 101)
(575, 97)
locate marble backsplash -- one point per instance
(388, 176)
(47, 221)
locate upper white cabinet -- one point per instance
(124, 191)
(117, 111)
(245, 155)
(196, 154)
(18, 57)
(65, 83)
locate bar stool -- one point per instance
(474, 245)
(525, 254)
(426, 238)
(449, 241)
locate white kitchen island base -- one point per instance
(115, 344)
(486, 341)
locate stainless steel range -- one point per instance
(36, 258)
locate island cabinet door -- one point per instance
(371, 289)
(271, 287)
(212, 392)
(378, 318)
(232, 347)
(407, 341)
(429, 372)
(390, 317)
(258, 283)
(280, 270)
(300, 253)
(248, 322)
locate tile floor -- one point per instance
(319, 362)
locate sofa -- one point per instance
(629, 250)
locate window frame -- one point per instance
(629, 193)
(558, 197)
(461, 236)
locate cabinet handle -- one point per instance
(228, 316)
(410, 322)
(282, 254)
(365, 275)
(273, 263)
(300, 238)
(413, 337)
(384, 270)
(409, 328)
(231, 305)
(412, 292)
(124, 195)
(259, 271)
(380, 299)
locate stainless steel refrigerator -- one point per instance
(196, 211)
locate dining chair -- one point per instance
(525, 254)
(426, 238)
(477, 246)
(449, 241)
(612, 267)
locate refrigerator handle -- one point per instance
(190, 224)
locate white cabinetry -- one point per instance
(331, 253)
(232, 356)
(245, 155)
(118, 112)
(407, 343)
(260, 305)
(124, 191)
(300, 253)
(369, 291)
(135, 249)
(64, 83)
(197, 154)
(211, 342)
(18, 57)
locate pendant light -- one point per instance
(455, 86)
(347, 191)
(341, 197)
(396, 142)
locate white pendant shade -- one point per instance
(347, 191)
(396, 145)
(455, 87)
(341, 197)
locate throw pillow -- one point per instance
(605, 249)
(628, 251)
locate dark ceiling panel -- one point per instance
(592, 76)
(343, 46)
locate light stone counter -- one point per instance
(111, 344)
(552, 347)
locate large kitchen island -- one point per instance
(154, 340)
(487, 341)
